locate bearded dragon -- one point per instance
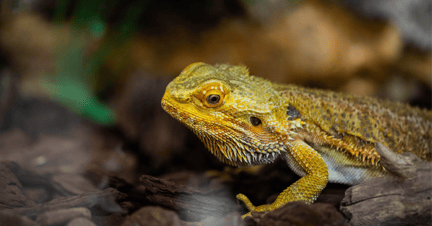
(324, 136)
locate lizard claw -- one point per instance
(248, 204)
(246, 201)
(263, 208)
(246, 215)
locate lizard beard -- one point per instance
(239, 152)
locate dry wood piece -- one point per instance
(88, 200)
(391, 202)
(300, 213)
(400, 165)
(32, 179)
(11, 190)
(192, 204)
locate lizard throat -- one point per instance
(238, 152)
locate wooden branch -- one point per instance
(400, 165)
(190, 203)
(384, 201)
(103, 199)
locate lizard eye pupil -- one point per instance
(255, 121)
(213, 99)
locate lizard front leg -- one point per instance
(306, 188)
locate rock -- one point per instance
(153, 216)
(63, 215)
(10, 190)
(81, 221)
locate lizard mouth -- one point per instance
(164, 104)
(169, 107)
(178, 112)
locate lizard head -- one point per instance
(233, 113)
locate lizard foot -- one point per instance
(251, 207)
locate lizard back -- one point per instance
(365, 120)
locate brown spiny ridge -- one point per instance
(324, 136)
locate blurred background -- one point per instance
(81, 81)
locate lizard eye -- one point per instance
(213, 99)
(255, 121)
(212, 94)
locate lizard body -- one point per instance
(324, 136)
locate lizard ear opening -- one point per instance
(255, 121)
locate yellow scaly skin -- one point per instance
(324, 136)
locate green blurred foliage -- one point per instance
(75, 69)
